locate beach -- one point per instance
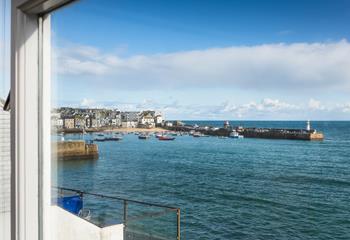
(145, 130)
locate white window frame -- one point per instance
(30, 118)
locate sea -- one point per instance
(225, 188)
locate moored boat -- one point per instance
(143, 136)
(235, 134)
(158, 135)
(166, 138)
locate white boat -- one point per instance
(235, 134)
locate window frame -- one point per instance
(30, 118)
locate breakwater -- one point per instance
(74, 150)
(268, 133)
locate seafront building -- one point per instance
(82, 118)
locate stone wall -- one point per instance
(70, 150)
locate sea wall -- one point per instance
(269, 133)
(282, 134)
(70, 150)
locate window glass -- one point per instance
(202, 119)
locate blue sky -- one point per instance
(205, 59)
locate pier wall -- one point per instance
(293, 135)
(69, 150)
(268, 133)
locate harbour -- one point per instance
(240, 185)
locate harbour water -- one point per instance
(230, 188)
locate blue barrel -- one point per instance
(72, 204)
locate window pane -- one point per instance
(236, 112)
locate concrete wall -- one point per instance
(5, 171)
(70, 227)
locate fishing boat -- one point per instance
(166, 138)
(235, 134)
(143, 136)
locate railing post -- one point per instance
(125, 217)
(178, 213)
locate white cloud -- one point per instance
(266, 109)
(89, 103)
(315, 105)
(346, 108)
(298, 66)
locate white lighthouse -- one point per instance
(308, 125)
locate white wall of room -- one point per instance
(5, 174)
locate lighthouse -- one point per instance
(308, 126)
(226, 124)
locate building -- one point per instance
(68, 123)
(57, 122)
(168, 124)
(129, 124)
(146, 119)
(158, 120)
(79, 122)
(116, 122)
(130, 116)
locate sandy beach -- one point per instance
(137, 130)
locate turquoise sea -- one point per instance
(227, 188)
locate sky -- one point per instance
(205, 59)
(4, 48)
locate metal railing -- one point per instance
(125, 205)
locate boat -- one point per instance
(166, 138)
(158, 135)
(197, 134)
(100, 138)
(143, 136)
(235, 134)
(114, 138)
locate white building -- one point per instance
(158, 119)
(129, 124)
(57, 122)
(146, 119)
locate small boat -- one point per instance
(166, 138)
(197, 134)
(100, 138)
(235, 134)
(158, 135)
(222, 137)
(114, 138)
(143, 136)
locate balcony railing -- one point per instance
(142, 220)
